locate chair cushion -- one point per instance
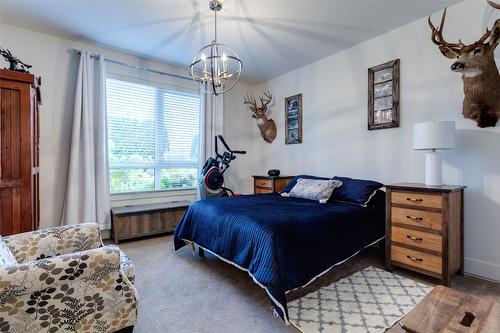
(6, 257)
(127, 266)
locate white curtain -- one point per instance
(87, 191)
(211, 124)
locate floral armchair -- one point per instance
(64, 280)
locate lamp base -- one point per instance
(433, 168)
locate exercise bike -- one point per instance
(212, 173)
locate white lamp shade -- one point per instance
(437, 135)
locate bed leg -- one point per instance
(201, 252)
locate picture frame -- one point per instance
(383, 95)
(293, 119)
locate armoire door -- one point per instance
(15, 157)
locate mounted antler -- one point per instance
(494, 5)
(476, 63)
(267, 126)
(438, 39)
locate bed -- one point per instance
(283, 243)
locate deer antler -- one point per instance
(264, 101)
(494, 5)
(437, 34)
(250, 101)
(438, 39)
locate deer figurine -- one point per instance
(267, 126)
(476, 63)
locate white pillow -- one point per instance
(313, 189)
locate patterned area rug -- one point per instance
(370, 300)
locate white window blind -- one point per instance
(153, 135)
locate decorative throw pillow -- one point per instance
(314, 189)
(293, 181)
(356, 191)
(6, 257)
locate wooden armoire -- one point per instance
(19, 145)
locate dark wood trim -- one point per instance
(394, 64)
(388, 233)
(272, 177)
(445, 253)
(299, 116)
(461, 270)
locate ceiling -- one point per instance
(272, 37)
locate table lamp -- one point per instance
(434, 136)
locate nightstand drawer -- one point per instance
(260, 190)
(417, 199)
(417, 259)
(266, 183)
(417, 218)
(418, 239)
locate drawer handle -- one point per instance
(418, 239)
(415, 199)
(415, 258)
(414, 218)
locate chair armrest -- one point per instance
(87, 266)
(55, 241)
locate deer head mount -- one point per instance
(476, 63)
(267, 126)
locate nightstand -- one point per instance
(424, 229)
(269, 184)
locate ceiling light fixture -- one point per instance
(216, 68)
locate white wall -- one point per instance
(54, 60)
(336, 140)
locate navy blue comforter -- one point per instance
(284, 243)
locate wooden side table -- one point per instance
(269, 184)
(424, 229)
(443, 310)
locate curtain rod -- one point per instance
(116, 62)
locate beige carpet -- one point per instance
(179, 292)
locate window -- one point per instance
(153, 135)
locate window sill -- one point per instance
(143, 197)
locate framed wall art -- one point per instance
(293, 119)
(383, 95)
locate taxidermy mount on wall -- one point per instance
(476, 63)
(267, 126)
(15, 64)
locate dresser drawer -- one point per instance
(417, 259)
(417, 199)
(266, 183)
(416, 238)
(416, 217)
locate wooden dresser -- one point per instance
(19, 145)
(424, 229)
(269, 184)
